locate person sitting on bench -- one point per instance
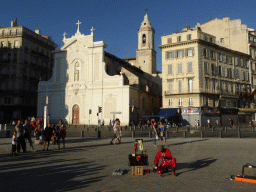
(167, 160)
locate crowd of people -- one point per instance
(50, 134)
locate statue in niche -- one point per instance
(77, 64)
(76, 75)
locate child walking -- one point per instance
(14, 143)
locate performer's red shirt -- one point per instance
(166, 153)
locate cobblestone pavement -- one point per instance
(87, 165)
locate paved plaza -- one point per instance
(87, 165)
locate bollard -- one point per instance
(184, 134)
(99, 134)
(225, 129)
(5, 126)
(130, 128)
(220, 134)
(252, 129)
(141, 128)
(202, 134)
(133, 134)
(150, 134)
(166, 134)
(177, 129)
(188, 129)
(82, 134)
(8, 134)
(238, 132)
(212, 129)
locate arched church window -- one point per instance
(143, 38)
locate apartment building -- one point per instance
(236, 36)
(202, 78)
(25, 59)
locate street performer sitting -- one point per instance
(167, 160)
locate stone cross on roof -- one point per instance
(78, 30)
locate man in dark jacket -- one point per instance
(47, 135)
(28, 128)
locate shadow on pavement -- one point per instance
(51, 176)
(188, 142)
(192, 166)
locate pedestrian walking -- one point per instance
(28, 128)
(20, 137)
(48, 132)
(117, 131)
(195, 123)
(14, 143)
(155, 132)
(230, 123)
(198, 124)
(217, 123)
(114, 137)
(208, 122)
(162, 133)
(61, 128)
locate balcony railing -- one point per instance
(10, 34)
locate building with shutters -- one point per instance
(25, 59)
(203, 79)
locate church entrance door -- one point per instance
(75, 119)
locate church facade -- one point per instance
(89, 85)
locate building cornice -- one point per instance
(203, 42)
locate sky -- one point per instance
(116, 22)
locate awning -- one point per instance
(168, 112)
(250, 110)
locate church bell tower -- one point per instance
(146, 54)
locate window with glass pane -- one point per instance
(179, 54)
(179, 38)
(169, 69)
(16, 44)
(204, 52)
(190, 85)
(190, 101)
(180, 102)
(190, 52)
(206, 84)
(169, 40)
(179, 68)
(180, 86)
(190, 67)
(213, 69)
(169, 55)
(205, 67)
(170, 102)
(169, 84)
(189, 37)
(213, 85)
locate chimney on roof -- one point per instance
(46, 36)
(37, 31)
(14, 23)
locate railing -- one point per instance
(10, 34)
